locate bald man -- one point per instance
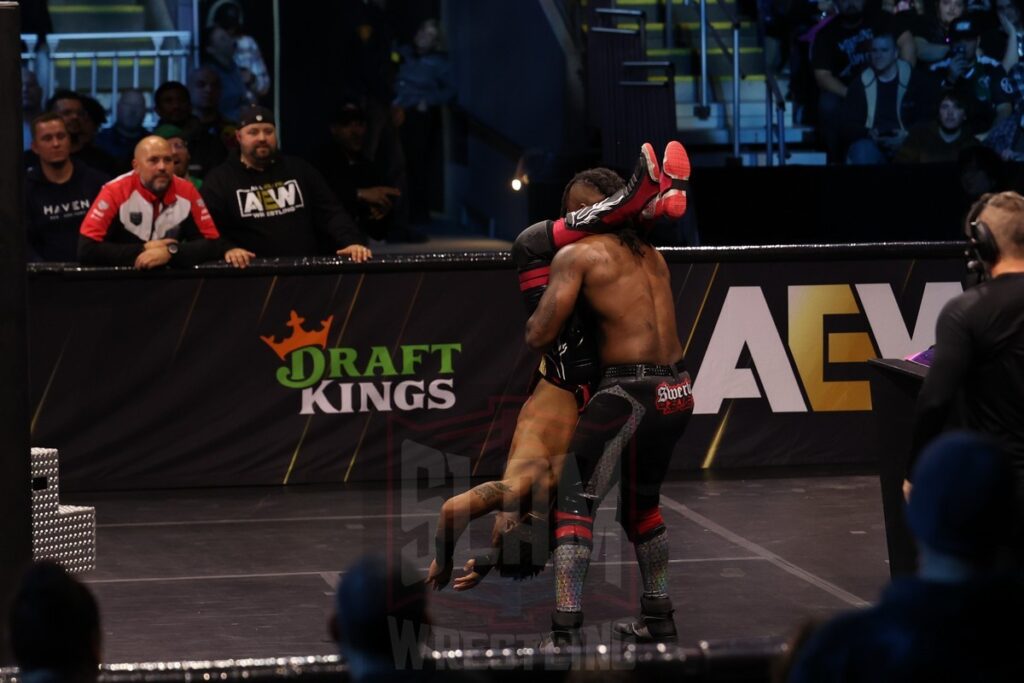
(150, 218)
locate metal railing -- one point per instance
(775, 102)
(150, 57)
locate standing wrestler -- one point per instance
(629, 428)
(544, 426)
(597, 201)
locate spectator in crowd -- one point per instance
(368, 76)
(956, 620)
(940, 139)
(228, 15)
(380, 622)
(58, 192)
(82, 129)
(31, 104)
(120, 139)
(932, 28)
(362, 185)
(179, 151)
(424, 85)
(839, 53)
(1004, 41)
(980, 80)
(277, 205)
(220, 57)
(212, 136)
(879, 105)
(981, 171)
(173, 104)
(55, 628)
(151, 218)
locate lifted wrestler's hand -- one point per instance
(438, 577)
(471, 579)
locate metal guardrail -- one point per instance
(639, 15)
(166, 58)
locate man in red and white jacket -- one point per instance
(151, 218)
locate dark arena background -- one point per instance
(213, 448)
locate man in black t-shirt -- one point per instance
(978, 366)
(839, 53)
(58, 193)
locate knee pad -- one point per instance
(573, 528)
(533, 247)
(643, 525)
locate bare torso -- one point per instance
(631, 297)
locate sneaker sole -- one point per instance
(675, 171)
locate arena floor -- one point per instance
(228, 573)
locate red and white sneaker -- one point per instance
(642, 188)
(675, 180)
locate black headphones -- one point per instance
(982, 249)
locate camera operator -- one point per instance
(977, 372)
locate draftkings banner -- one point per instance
(298, 376)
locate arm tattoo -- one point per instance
(491, 491)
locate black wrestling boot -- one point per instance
(565, 631)
(654, 625)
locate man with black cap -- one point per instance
(277, 205)
(980, 80)
(958, 619)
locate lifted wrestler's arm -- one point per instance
(555, 307)
(456, 514)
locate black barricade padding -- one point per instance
(329, 372)
(15, 534)
(749, 661)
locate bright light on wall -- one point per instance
(517, 184)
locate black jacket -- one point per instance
(285, 210)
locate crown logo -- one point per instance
(300, 337)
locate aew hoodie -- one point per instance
(286, 210)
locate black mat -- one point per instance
(214, 573)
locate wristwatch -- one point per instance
(172, 248)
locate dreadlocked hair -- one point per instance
(604, 180)
(630, 238)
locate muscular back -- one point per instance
(631, 297)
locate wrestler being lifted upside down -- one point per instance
(597, 202)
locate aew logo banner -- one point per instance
(273, 199)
